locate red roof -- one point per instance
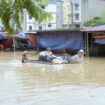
(96, 28)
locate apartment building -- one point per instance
(66, 14)
(30, 24)
(59, 14)
(81, 10)
(76, 13)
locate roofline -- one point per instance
(56, 30)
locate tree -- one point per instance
(70, 15)
(96, 20)
(11, 12)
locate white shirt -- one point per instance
(77, 59)
(44, 53)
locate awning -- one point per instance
(100, 41)
(20, 36)
(2, 36)
(96, 28)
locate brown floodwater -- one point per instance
(40, 84)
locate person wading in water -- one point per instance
(25, 57)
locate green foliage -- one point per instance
(11, 12)
(70, 14)
(95, 20)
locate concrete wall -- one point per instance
(66, 11)
(90, 9)
(59, 14)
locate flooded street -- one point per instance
(40, 84)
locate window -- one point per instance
(30, 17)
(69, 19)
(30, 27)
(76, 16)
(40, 27)
(49, 25)
(69, 8)
(76, 7)
(2, 28)
(64, 7)
(57, 6)
(78, 25)
(43, 7)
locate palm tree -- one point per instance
(11, 12)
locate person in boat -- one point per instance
(46, 55)
(66, 58)
(78, 58)
(25, 57)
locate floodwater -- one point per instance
(40, 84)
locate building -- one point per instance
(30, 24)
(91, 9)
(81, 10)
(66, 14)
(1, 26)
(59, 14)
(76, 13)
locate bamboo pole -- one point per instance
(87, 45)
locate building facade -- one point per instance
(76, 11)
(66, 14)
(91, 9)
(81, 10)
(59, 14)
(30, 24)
(1, 27)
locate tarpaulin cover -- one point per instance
(2, 37)
(20, 35)
(100, 40)
(32, 39)
(60, 40)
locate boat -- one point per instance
(43, 62)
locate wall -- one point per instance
(59, 14)
(76, 11)
(66, 11)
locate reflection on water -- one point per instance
(37, 84)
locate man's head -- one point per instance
(25, 52)
(48, 49)
(81, 52)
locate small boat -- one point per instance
(43, 62)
